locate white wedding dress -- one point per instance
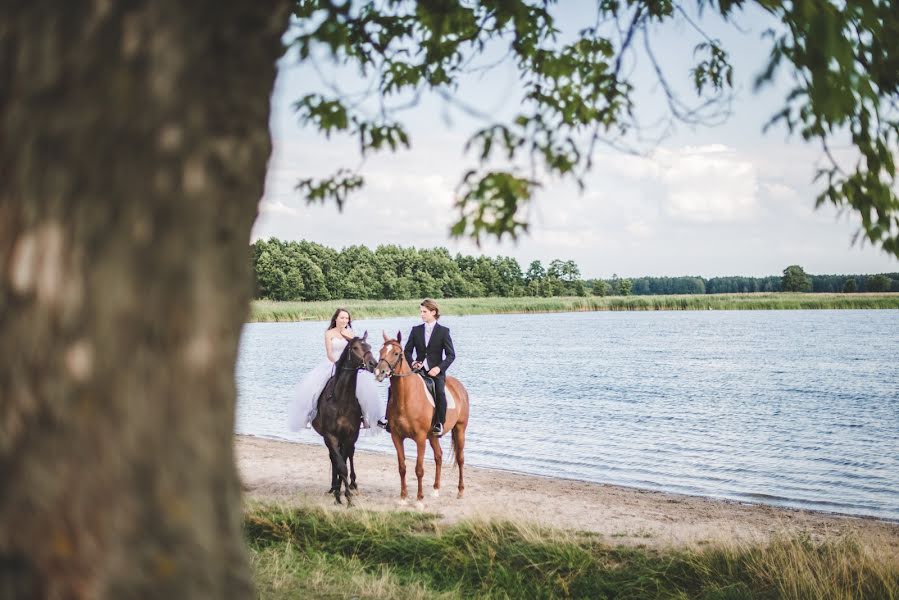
(303, 405)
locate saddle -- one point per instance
(430, 388)
(430, 394)
(429, 385)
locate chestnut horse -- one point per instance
(410, 415)
(339, 413)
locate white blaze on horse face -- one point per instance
(387, 356)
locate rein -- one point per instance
(399, 360)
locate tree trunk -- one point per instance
(133, 148)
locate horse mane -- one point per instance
(344, 356)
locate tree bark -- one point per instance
(133, 148)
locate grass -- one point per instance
(269, 311)
(314, 553)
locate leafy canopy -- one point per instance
(795, 279)
(844, 58)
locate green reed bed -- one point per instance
(310, 552)
(268, 311)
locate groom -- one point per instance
(434, 353)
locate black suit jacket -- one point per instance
(439, 352)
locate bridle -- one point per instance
(392, 367)
(361, 366)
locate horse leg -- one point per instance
(401, 463)
(334, 484)
(338, 463)
(351, 451)
(344, 455)
(420, 464)
(438, 460)
(459, 451)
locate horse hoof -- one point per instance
(435, 494)
(459, 497)
(419, 505)
(353, 486)
(402, 502)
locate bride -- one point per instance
(304, 403)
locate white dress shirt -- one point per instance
(429, 329)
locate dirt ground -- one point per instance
(288, 472)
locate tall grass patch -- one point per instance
(320, 553)
(269, 311)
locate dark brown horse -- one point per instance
(339, 413)
(410, 415)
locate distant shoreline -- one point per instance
(266, 311)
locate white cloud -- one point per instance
(639, 229)
(705, 184)
(780, 192)
(703, 209)
(708, 149)
(629, 166)
(708, 184)
(275, 207)
(404, 200)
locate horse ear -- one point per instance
(384, 333)
(365, 335)
(399, 337)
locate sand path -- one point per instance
(295, 472)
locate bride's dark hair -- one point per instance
(337, 314)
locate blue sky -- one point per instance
(707, 201)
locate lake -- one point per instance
(789, 408)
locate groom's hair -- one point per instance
(431, 305)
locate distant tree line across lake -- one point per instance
(310, 271)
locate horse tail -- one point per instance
(461, 395)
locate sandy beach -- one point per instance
(293, 473)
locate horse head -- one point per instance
(390, 358)
(360, 355)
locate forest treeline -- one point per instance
(288, 270)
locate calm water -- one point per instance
(793, 408)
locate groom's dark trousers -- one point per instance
(440, 353)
